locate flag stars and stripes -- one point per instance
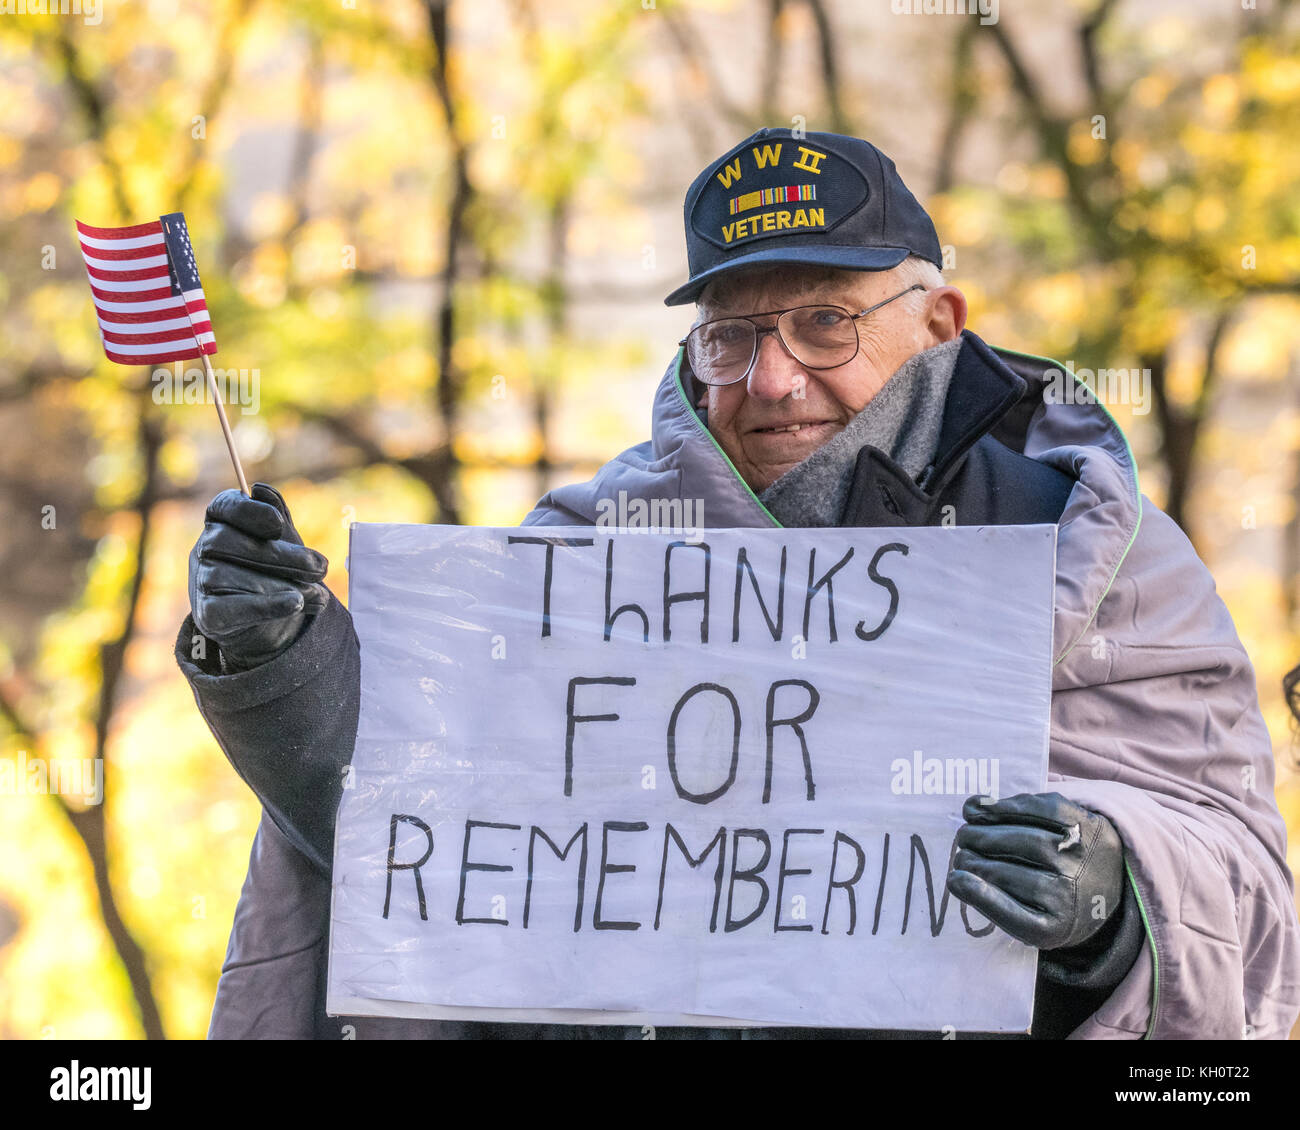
(145, 286)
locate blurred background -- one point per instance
(435, 238)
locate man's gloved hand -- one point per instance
(1045, 870)
(253, 584)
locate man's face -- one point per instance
(748, 418)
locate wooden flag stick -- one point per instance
(177, 262)
(225, 425)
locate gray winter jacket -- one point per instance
(1155, 720)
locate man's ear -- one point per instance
(946, 317)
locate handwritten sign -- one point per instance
(610, 776)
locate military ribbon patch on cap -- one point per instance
(772, 196)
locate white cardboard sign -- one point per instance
(615, 776)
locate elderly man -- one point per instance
(829, 380)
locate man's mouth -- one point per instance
(791, 427)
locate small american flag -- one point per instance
(147, 293)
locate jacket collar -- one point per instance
(983, 390)
(981, 394)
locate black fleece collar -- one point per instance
(983, 390)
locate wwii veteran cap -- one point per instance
(819, 198)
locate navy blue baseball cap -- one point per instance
(819, 198)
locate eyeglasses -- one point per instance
(723, 351)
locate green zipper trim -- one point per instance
(686, 400)
(1137, 492)
(1155, 958)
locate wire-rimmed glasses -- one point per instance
(722, 351)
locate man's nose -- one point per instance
(776, 374)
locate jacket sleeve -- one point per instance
(289, 726)
(1156, 725)
(1221, 955)
(270, 981)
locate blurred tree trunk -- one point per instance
(555, 304)
(90, 823)
(450, 381)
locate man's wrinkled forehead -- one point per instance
(751, 292)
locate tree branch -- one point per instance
(214, 94)
(696, 60)
(1089, 29)
(93, 106)
(1053, 137)
(960, 106)
(831, 83)
(769, 73)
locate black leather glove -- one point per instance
(254, 586)
(1045, 870)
